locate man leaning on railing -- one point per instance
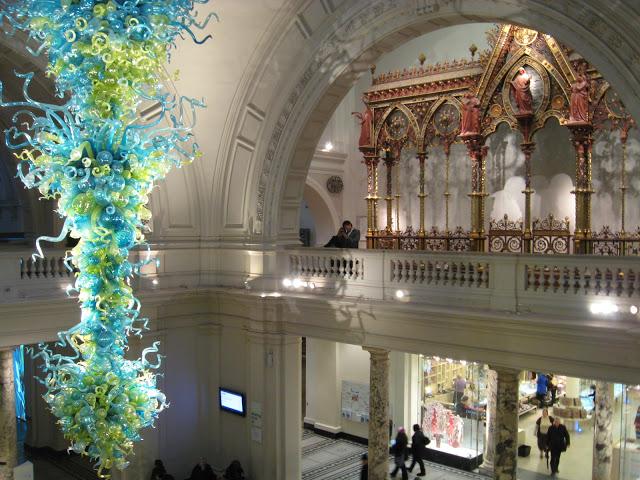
(347, 237)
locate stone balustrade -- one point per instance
(506, 282)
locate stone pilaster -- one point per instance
(506, 425)
(603, 438)
(488, 454)
(378, 413)
(8, 433)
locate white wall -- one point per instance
(331, 363)
(200, 358)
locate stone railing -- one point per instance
(504, 282)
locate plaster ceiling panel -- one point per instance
(313, 15)
(294, 187)
(250, 126)
(178, 189)
(289, 217)
(236, 186)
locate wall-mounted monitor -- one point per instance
(233, 402)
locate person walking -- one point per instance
(541, 389)
(553, 387)
(559, 441)
(364, 471)
(418, 452)
(542, 429)
(400, 453)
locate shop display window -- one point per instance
(453, 408)
(626, 433)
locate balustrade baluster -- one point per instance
(38, 267)
(608, 281)
(22, 269)
(631, 281)
(546, 273)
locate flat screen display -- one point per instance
(233, 402)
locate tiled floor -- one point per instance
(328, 459)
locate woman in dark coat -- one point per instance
(418, 449)
(399, 454)
(559, 441)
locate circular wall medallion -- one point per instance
(495, 110)
(525, 36)
(557, 102)
(334, 184)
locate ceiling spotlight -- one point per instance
(633, 309)
(399, 294)
(286, 282)
(155, 281)
(328, 147)
(297, 283)
(312, 285)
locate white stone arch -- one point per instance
(320, 200)
(333, 50)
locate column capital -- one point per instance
(505, 371)
(376, 352)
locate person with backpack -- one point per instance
(419, 443)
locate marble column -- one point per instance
(378, 413)
(8, 433)
(505, 460)
(603, 437)
(490, 419)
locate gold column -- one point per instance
(371, 161)
(477, 152)
(422, 156)
(624, 135)
(582, 140)
(527, 149)
(397, 195)
(527, 146)
(388, 161)
(447, 194)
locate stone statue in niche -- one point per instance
(579, 108)
(470, 123)
(366, 120)
(521, 89)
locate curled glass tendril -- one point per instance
(99, 159)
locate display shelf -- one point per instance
(460, 457)
(524, 409)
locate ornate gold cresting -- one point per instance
(409, 103)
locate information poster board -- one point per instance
(355, 401)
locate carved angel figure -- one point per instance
(365, 119)
(470, 123)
